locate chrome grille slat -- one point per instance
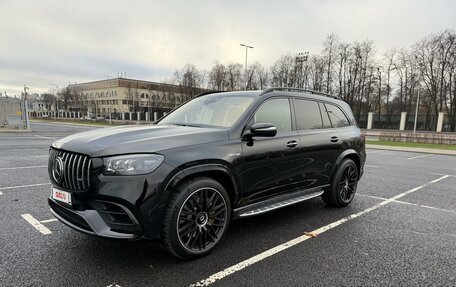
(66, 157)
(67, 170)
(89, 167)
(70, 174)
(73, 172)
(76, 169)
(84, 185)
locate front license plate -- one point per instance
(61, 195)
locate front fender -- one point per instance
(204, 169)
(155, 211)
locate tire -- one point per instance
(196, 218)
(343, 185)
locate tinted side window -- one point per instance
(325, 117)
(338, 118)
(277, 112)
(307, 114)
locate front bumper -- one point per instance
(95, 222)
(121, 207)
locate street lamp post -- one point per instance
(301, 58)
(379, 93)
(55, 89)
(416, 111)
(418, 98)
(27, 121)
(246, 49)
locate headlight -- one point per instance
(132, 164)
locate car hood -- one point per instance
(138, 139)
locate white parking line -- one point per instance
(436, 173)
(35, 223)
(22, 167)
(25, 156)
(1, 193)
(435, 208)
(410, 203)
(16, 138)
(23, 186)
(48, 220)
(420, 156)
(372, 166)
(371, 196)
(237, 267)
(45, 137)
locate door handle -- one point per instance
(334, 139)
(292, 143)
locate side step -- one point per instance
(276, 203)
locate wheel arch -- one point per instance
(351, 154)
(216, 171)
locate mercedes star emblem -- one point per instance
(57, 170)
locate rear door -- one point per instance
(320, 142)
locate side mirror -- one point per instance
(263, 130)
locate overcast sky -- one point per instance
(57, 41)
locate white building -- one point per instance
(121, 95)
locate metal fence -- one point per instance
(151, 116)
(392, 122)
(12, 115)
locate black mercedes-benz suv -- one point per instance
(218, 157)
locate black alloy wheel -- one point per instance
(202, 219)
(348, 182)
(196, 219)
(343, 185)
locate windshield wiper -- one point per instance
(185, 125)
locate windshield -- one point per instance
(214, 110)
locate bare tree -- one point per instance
(283, 72)
(217, 77)
(389, 61)
(234, 80)
(190, 80)
(434, 56)
(259, 78)
(329, 54)
(132, 96)
(48, 99)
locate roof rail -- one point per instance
(207, 93)
(299, 90)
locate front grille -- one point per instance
(76, 169)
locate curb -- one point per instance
(14, 131)
(132, 123)
(70, 124)
(412, 149)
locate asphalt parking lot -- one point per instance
(400, 230)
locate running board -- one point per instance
(274, 203)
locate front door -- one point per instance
(270, 165)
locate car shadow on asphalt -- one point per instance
(245, 238)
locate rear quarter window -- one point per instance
(337, 116)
